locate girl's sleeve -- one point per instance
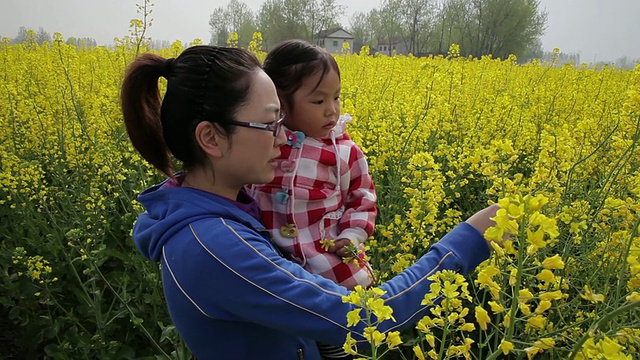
(358, 221)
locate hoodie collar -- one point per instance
(171, 209)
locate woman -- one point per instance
(229, 291)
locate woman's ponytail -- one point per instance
(141, 103)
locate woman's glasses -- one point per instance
(273, 127)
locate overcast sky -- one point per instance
(600, 30)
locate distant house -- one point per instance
(387, 47)
(332, 39)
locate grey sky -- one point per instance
(600, 30)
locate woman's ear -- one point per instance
(210, 139)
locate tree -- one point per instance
(159, 44)
(533, 51)
(280, 20)
(417, 18)
(24, 36)
(360, 28)
(242, 21)
(85, 42)
(42, 36)
(452, 25)
(322, 15)
(21, 36)
(235, 17)
(219, 24)
(502, 27)
(389, 20)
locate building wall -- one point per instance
(400, 48)
(334, 45)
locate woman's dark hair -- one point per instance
(291, 62)
(204, 83)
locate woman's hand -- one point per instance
(481, 220)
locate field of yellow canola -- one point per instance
(556, 147)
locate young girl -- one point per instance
(320, 207)
(230, 293)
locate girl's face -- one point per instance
(316, 106)
(251, 152)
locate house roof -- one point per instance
(328, 32)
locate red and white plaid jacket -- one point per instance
(322, 190)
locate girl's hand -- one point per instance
(340, 248)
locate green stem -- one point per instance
(516, 290)
(146, 332)
(444, 332)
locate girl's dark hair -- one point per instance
(291, 62)
(204, 83)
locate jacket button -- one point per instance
(289, 231)
(282, 196)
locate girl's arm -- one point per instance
(358, 221)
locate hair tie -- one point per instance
(166, 67)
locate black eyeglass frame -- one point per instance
(273, 127)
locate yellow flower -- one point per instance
(505, 346)
(349, 345)
(536, 239)
(497, 248)
(468, 327)
(535, 203)
(494, 233)
(513, 276)
(543, 306)
(375, 337)
(418, 352)
(515, 211)
(554, 262)
(524, 296)
(591, 296)
(526, 310)
(612, 350)
(505, 222)
(495, 307)
(327, 243)
(424, 324)
(393, 339)
(382, 311)
(539, 346)
(551, 295)
(545, 343)
(431, 340)
(633, 297)
(508, 247)
(546, 276)
(537, 322)
(485, 280)
(482, 317)
(355, 297)
(547, 225)
(353, 317)
(450, 290)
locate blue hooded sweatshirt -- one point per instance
(232, 295)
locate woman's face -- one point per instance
(250, 158)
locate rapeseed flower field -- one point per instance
(555, 146)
